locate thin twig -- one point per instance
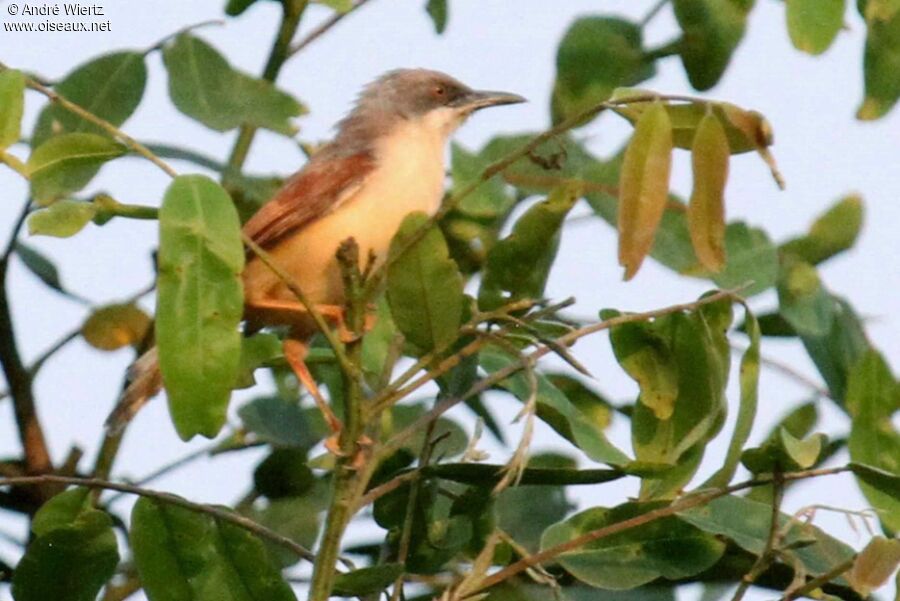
(820, 581)
(322, 29)
(398, 439)
(164, 497)
(652, 13)
(687, 502)
(57, 346)
(347, 368)
(765, 559)
(105, 125)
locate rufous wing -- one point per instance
(316, 190)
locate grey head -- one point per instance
(407, 94)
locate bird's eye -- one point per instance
(439, 91)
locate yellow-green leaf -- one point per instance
(114, 326)
(61, 219)
(881, 68)
(12, 104)
(879, 10)
(66, 163)
(834, 231)
(813, 24)
(871, 401)
(644, 186)
(199, 303)
(756, 130)
(874, 565)
(706, 210)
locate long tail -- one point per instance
(144, 382)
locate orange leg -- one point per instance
(295, 352)
(296, 310)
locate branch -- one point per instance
(687, 502)
(105, 125)
(18, 378)
(322, 29)
(164, 497)
(398, 439)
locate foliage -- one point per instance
(446, 524)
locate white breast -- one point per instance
(409, 177)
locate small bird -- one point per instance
(387, 160)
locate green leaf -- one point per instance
(744, 130)
(833, 232)
(751, 258)
(438, 11)
(113, 326)
(70, 562)
(341, 6)
(803, 302)
(237, 7)
(297, 518)
(12, 105)
(518, 266)
(40, 266)
(185, 556)
(284, 473)
(838, 350)
(884, 481)
(596, 56)
(646, 356)
(110, 87)
(278, 421)
(746, 523)
(61, 511)
(525, 511)
(61, 219)
(872, 399)
(66, 163)
(700, 354)
(257, 350)
(749, 381)
(644, 186)
(556, 410)
(199, 303)
(814, 24)
(881, 68)
(785, 452)
(366, 581)
(878, 10)
(594, 405)
(424, 287)
(712, 31)
(204, 86)
(667, 548)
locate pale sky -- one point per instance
(822, 150)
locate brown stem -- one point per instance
(322, 29)
(164, 497)
(18, 378)
(685, 503)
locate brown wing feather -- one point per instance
(313, 191)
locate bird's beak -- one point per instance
(479, 99)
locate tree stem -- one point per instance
(290, 20)
(346, 475)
